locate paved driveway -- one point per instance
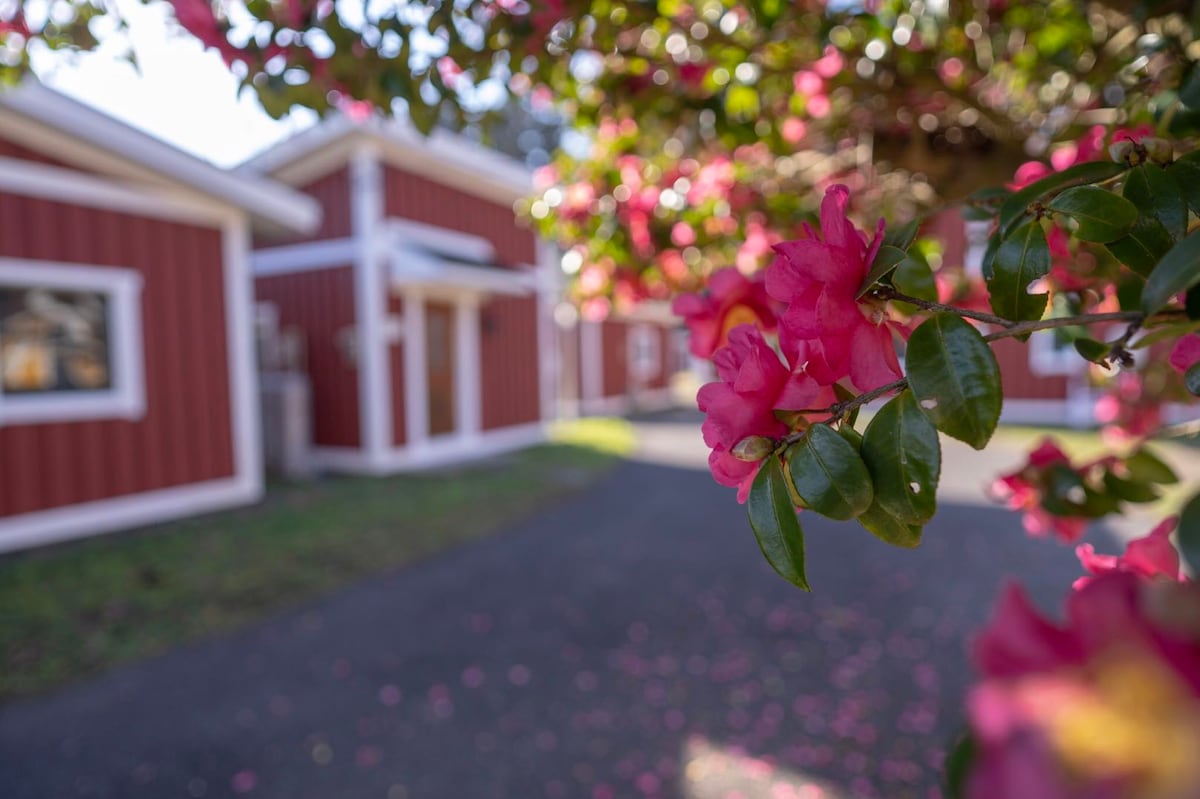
(629, 642)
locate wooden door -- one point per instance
(439, 365)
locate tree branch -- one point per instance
(889, 293)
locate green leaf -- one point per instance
(958, 764)
(1186, 174)
(1015, 207)
(1023, 257)
(1146, 466)
(1191, 379)
(1149, 188)
(900, 447)
(1092, 350)
(775, 524)
(987, 267)
(1129, 490)
(982, 205)
(1189, 91)
(1178, 271)
(887, 259)
(914, 278)
(887, 528)
(954, 378)
(829, 474)
(1099, 215)
(1145, 244)
(1191, 303)
(902, 237)
(1189, 534)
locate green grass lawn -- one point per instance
(80, 608)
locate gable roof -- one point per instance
(266, 201)
(447, 158)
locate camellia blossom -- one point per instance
(1022, 490)
(1106, 705)
(1151, 556)
(1185, 353)
(819, 278)
(753, 384)
(732, 299)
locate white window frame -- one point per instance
(644, 353)
(126, 399)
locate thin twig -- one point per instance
(889, 293)
(1021, 328)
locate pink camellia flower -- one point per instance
(1151, 556)
(731, 299)
(1106, 705)
(1022, 490)
(819, 278)
(1185, 353)
(753, 384)
(1127, 411)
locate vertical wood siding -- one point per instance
(1018, 379)
(615, 339)
(320, 303)
(186, 434)
(509, 354)
(332, 191)
(420, 199)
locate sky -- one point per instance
(183, 94)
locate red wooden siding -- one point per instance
(333, 192)
(666, 362)
(186, 435)
(1018, 379)
(420, 199)
(396, 354)
(320, 303)
(615, 340)
(509, 354)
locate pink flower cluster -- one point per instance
(1106, 705)
(1151, 556)
(1023, 490)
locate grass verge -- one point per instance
(78, 609)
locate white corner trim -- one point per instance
(591, 361)
(468, 368)
(416, 375)
(264, 199)
(122, 513)
(306, 257)
(241, 349)
(467, 246)
(126, 399)
(370, 303)
(67, 185)
(548, 345)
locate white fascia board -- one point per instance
(416, 268)
(265, 200)
(400, 232)
(304, 257)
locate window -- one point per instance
(70, 342)
(645, 357)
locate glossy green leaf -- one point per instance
(1129, 490)
(829, 474)
(1023, 257)
(954, 378)
(1186, 174)
(1092, 350)
(914, 278)
(1015, 207)
(1191, 379)
(1099, 215)
(1178, 271)
(887, 259)
(982, 205)
(1189, 534)
(901, 449)
(902, 237)
(1149, 188)
(958, 765)
(1191, 303)
(987, 266)
(1145, 465)
(775, 524)
(887, 528)
(1146, 243)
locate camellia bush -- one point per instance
(738, 155)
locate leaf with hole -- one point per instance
(775, 524)
(1177, 272)
(901, 449)
(1099, 215)
(954, 378)
(1023, 257)
(829, 474)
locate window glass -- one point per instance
(53, 341)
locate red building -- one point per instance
(127, 385)
(425, 309)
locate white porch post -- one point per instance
(370, 300)
(416, 398)
(549, 367)
(591, 364)
(468, 368)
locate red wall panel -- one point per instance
(420, 199)
(615, 340)
(509, 355)
(186, 434)
(332, 191)
(1018, 379)
(320, 304)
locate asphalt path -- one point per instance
(626, 642)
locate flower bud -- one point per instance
(1120, 151)
(1158, 150)
(753, 448)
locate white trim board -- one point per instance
(440, 451)
(121, 513)
(307, 257)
